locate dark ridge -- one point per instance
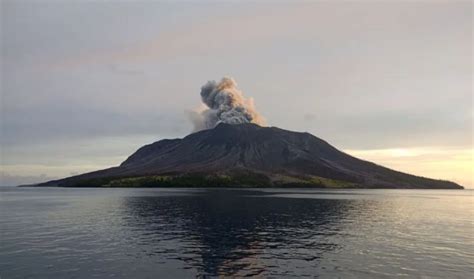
(252, 156)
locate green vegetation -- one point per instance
(185, 180)
(332, 183)
(312, 182)
(243, 179)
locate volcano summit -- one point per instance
(247, 155)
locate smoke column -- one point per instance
(224, 103)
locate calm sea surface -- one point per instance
(181, 233)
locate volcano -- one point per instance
(247, 155)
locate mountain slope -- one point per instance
(248, 155)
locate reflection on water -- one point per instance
(186, 233)
(230, 233)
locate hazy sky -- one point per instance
(84, 84)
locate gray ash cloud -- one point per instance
(224, 103)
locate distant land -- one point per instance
(248, 155)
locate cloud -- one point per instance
(225, 103)
(441, 162)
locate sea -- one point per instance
(208, 233)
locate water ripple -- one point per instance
(145, 233)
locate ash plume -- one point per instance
(224, 103)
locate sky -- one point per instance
(86, 83)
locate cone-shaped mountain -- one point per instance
(247, 155)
